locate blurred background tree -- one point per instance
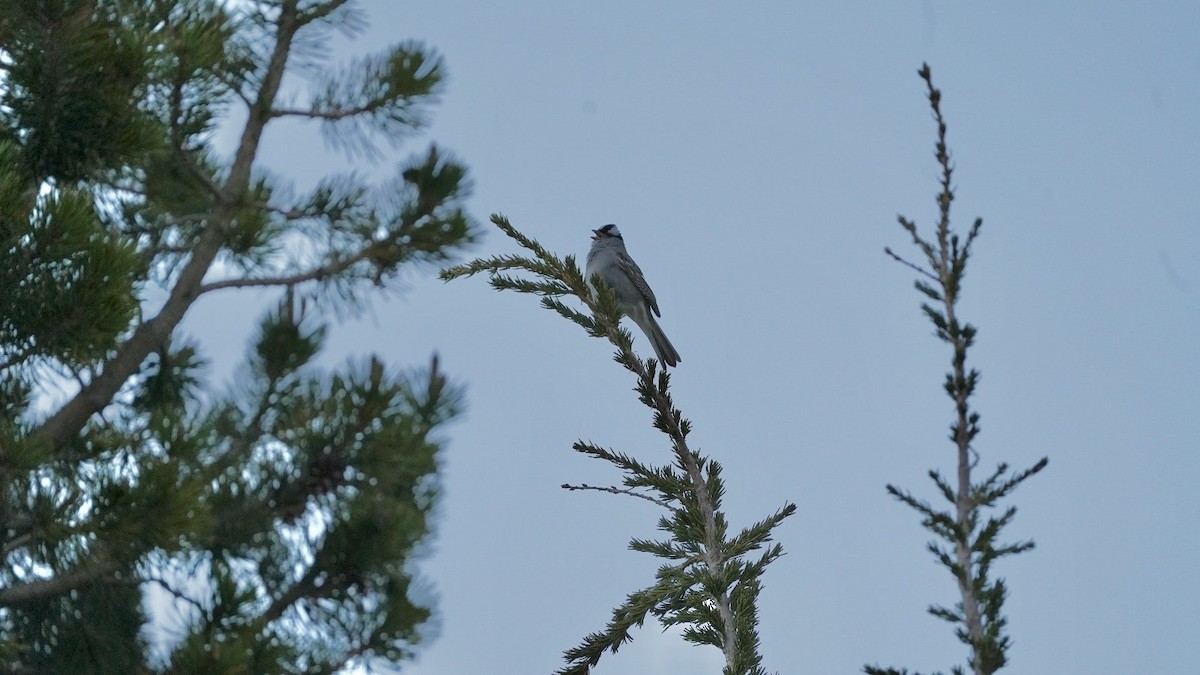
(280, 515)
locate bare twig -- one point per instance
(917, 268)
(617, 491)
(333, 115)
(315, 274)
(178, 594)
(15, 544)
(54, 586)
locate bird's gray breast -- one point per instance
(603, 261)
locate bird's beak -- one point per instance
(597, 235)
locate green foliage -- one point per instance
(69, 279)
(385, 94)
(969, 545)
(708, 585)
(206, 50)
(280, 517)
(67, 88)
(88, 630)
(321, 497)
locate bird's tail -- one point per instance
(663, 349)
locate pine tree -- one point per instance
(969, 544)
(280, 515)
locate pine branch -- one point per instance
(713, 592)
(319, 273)
(319, 11)
(958, 391)
(33, 591)
(385, 94)
(332, 115)
(616, 491)
(173, 591)
(66, 423)
(304, 587)
(916, 268)
(752, 538)
(624, 618)
(971, 549)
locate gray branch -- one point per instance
(617, 491)
(314, 274)
(36, 590)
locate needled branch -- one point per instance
(970, 548)
(64, 424)
(713, 592)
(616, 491)
(37, 590)
(318, 273)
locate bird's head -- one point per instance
(605, 232)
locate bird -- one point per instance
(609, 260)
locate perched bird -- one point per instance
(609, 260)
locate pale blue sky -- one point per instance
(755, 156)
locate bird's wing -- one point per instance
(631, 270)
